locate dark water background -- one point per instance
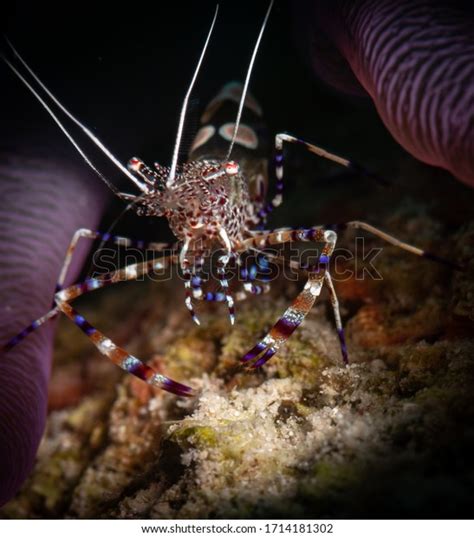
(124, 73)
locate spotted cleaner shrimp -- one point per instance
(212, 202)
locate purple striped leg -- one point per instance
(288, 322)
(80, 233)
(15, 340)
(252, 283)
(106, 346)
(334, 302)
(222, 263)
(295, 314)
(249, 288)
(194, 291)
(192, 284)
(320, 152)
(105, 237)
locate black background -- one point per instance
(124, 70)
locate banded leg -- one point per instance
(283, 137)
(106, 346)
(80, 233)
(251, 286)
(295, 314)
(192, 284)
(222, 263)
(333, 298)
(257, 242)
(84, 233)
(287, 324)
(249, 277)
(15, 340)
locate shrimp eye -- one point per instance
(231, 168)
(134, 164)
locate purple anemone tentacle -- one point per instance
(414, 59)
(42, 203)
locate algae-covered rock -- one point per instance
(71, 439)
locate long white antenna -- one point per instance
(174, 162)
(60, 125)
(86, 131)
(247, 80)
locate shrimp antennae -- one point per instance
(86, 131)
(112, 187)
(182, 116)
(247, 80)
